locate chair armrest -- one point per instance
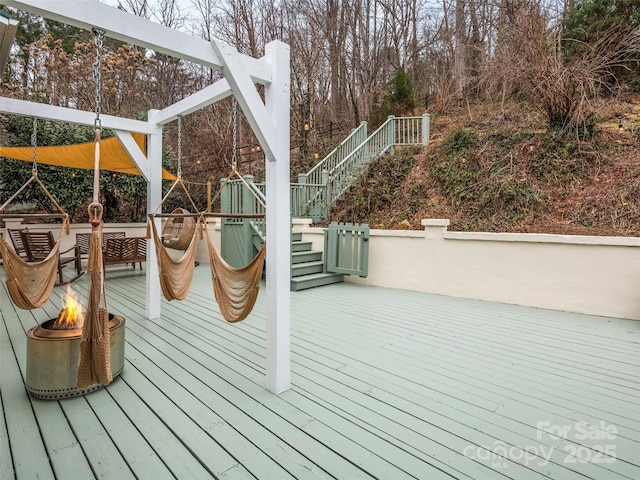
(74, 248)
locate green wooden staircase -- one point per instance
(307, 266)
(312, 198)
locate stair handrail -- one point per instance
(379, 142)
(321, 186)
(336, 155)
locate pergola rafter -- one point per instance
(269, 121)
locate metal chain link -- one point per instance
(34, 144)
(235, 132)
(179, 145)
(97, 76)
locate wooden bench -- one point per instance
(82, 241)
(125, 250)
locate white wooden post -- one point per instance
(154, 197)
(270, 124)
(278, 224)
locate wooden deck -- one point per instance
(387, 384)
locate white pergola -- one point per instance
(269, 121)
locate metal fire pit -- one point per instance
(53, 355)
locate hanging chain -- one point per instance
(179, 146)
(34, 144)
(235, 132)
(97, 76)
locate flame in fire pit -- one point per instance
(70, 317)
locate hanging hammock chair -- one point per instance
(176, 274)
(235, 289)
(30, 283)
(178, 232)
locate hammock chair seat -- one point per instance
(178, 232)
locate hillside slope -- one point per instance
(492, 169)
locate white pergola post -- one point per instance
(270, 123)
(278, 224)
(154, 197)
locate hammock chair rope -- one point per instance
(30, 283)
(94, 366)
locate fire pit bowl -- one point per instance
(53, 355)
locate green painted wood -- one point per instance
(212, 441)
(301, 257)
(234, 241)
(267, 445)
(386, 360)
(301, 246)
(161, 438)
(6, 462)
(28, 452)
(347, 249)
(296, 236)
(324, 456)
(141, 458)
(386, 384)
(315, 280)
(307, 268)
(65, 454)
(102, 453)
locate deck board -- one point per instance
(386, 384)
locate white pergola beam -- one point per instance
(207, 96)
(137, 155)
(71, 115)
(248, 98)
(129, 28)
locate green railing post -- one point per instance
(391, 133)
(363, 131)
(248, 200)
(248, 206)
(225, 196)
(300, 196)
(426, 128)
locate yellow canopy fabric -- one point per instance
(113, 156)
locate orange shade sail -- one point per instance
(113, 156)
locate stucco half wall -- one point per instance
(585, 274)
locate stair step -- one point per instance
(298, 246)
(302, 257)
(307, 268)
(315, 280)
(296, 236)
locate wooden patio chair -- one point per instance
(16, 240)
(38, 245)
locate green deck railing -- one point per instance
(320, 187)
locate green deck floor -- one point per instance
(387, 384)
